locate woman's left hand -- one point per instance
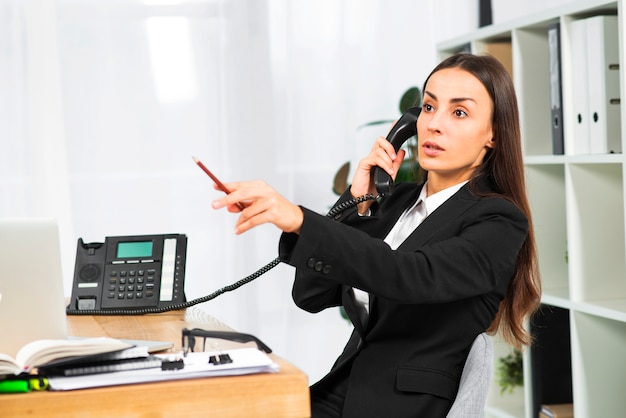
(261, 204)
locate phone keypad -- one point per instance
(132, 285)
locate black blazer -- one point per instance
(430, 298)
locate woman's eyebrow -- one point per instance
(462, 99)
(426, 92)
(453, 100)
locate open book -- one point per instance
(41, 352)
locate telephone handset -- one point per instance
(405, 128)
(129, 273)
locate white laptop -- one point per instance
(32, 302)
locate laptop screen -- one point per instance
(32, 301)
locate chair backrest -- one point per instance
(472, 395)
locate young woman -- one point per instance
(420, 272)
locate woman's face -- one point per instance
(454, 129)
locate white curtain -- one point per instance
(104, 103)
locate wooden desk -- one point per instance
(275, 395)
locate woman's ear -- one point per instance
(491, 143)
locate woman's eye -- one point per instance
(427, 108)
(460, 113)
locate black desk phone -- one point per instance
(129, 273)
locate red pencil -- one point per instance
(220, 185)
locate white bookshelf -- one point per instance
(578, 209)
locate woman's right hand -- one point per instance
(258, 203)
(382, 155)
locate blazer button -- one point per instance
(319, 266)
(326, 269)
(310, 263)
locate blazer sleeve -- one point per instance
(453, 256)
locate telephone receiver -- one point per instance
(405, 128)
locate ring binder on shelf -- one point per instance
(596, 89)
(556, 97)
(604, 89)
(580, 90)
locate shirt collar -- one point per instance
(435, 200)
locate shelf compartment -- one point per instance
(500, 48)
(550, 357)
(531, 66)
(595, 218)
(546, 191)
(598, 365)
(576, 103)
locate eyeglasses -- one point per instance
(189, 339)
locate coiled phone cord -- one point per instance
(160, 309)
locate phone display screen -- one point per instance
(134, 249)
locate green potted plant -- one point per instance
(509, 372)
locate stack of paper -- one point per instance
(244, 361)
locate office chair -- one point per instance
(472, 395)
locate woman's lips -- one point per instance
(431, 149)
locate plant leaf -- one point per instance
(412, 97)
(340, 184)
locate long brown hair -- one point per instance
(503, 168)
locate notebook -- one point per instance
(32, 302)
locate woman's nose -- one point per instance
(433, 122)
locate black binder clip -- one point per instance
(219, 359)
(176, 364)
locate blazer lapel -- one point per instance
(452, 208)
(392, 214)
